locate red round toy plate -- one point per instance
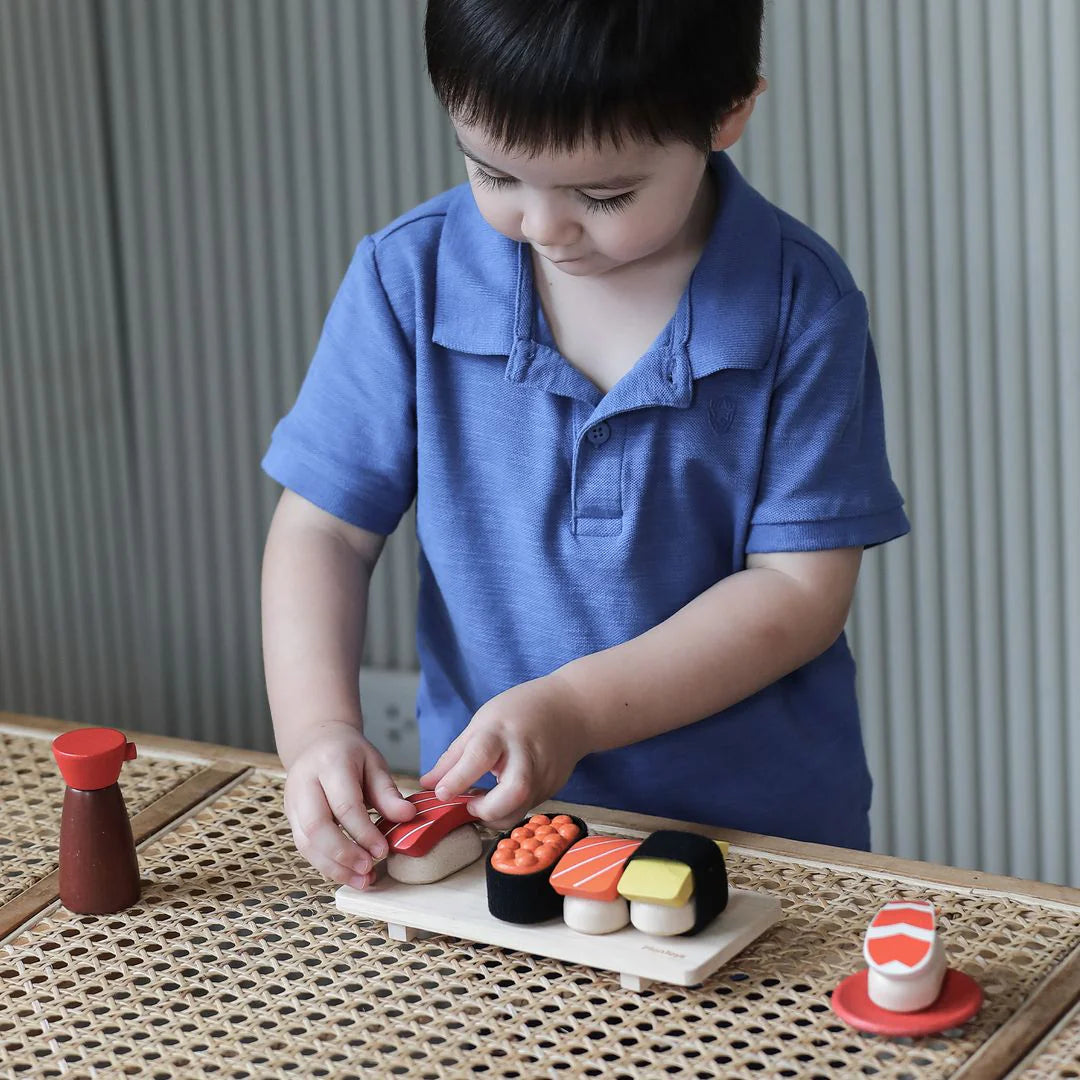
(958, 1001)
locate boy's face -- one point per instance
(593, 209)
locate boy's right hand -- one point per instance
(329, 787)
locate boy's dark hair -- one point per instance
(542, 75)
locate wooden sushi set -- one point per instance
(657, 908)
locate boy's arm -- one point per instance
(316, 573)
(737, 637)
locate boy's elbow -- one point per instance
(829, 607)
(296, 516)
(834, 617)
(822, 587)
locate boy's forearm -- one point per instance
(737, 637)
(314, 597)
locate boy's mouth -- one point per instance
(558, 261)
(553, 256)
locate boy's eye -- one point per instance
(610, 205)
(486, 179)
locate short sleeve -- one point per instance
(349, 443)
(825, 480)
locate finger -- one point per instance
(328, 867)
(448, 759)
(345, 797)
(309, 812)
(385, 796)
(479, 755)
(506, 801)
(505, 824)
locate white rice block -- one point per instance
(909, 992)
(456, 849)
(595, 916)
(663, 920)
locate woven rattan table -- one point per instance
(236, 963)
(1058, 1055)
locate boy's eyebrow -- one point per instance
(609, 183)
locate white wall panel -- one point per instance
(954, 164)
(68, 554)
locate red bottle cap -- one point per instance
(90, 758)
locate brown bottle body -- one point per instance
(99, 871)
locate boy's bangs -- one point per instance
(524, 121)
(550, 76)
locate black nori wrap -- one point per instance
(524, 898)
(706, 862)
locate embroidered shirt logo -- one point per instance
(722, 414)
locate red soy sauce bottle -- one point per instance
(99, 871)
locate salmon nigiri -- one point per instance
(587, 877)
(905, 957)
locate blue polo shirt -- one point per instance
(555, 520)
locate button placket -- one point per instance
(598, 497)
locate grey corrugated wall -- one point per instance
(181, 185)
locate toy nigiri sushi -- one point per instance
(437, 842)
(676, 883)
(587, 878)
(907, 988)
(904, 956)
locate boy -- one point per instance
(640, 413)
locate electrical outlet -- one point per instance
(388, 700)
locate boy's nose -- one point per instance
(544, 226)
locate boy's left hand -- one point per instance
(530, 737)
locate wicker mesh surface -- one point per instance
(1059, 1057)
(32, 795)
(237, 964)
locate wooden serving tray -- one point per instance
(457, 906)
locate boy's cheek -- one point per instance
(647, 234)
(497, 216)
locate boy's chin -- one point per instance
(584, 266)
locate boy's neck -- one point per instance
(699, 223)
(687, 246)
(604, 322)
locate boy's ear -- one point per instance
(734, 123)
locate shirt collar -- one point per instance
(734, 293)
(476, 282)
(727, 319)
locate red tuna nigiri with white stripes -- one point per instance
(435, 818)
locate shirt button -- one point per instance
(598, 434)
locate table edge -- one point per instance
(915, 870)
